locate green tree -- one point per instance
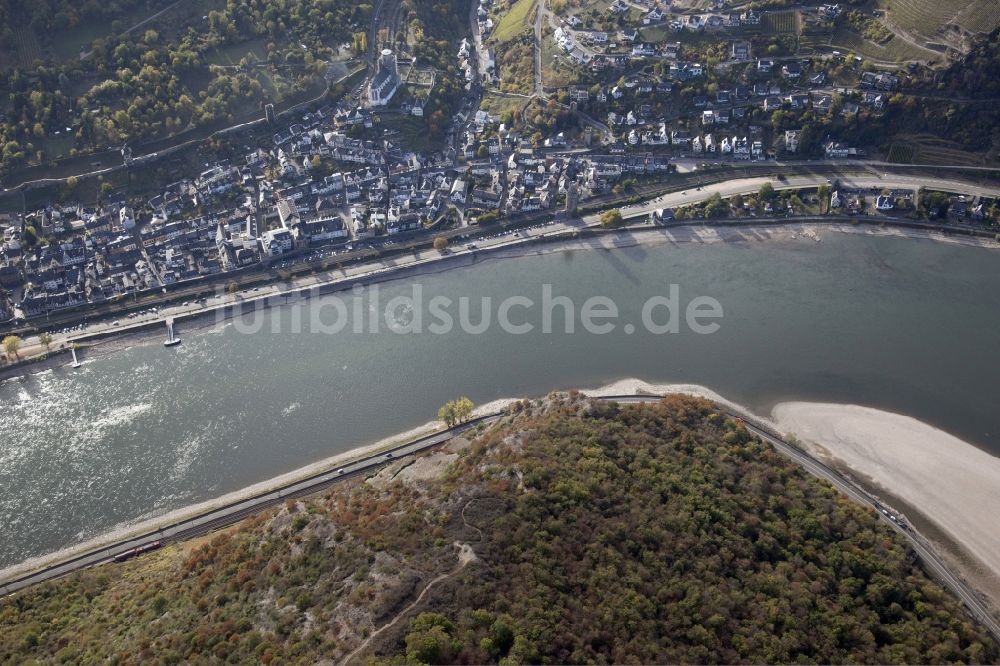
(45, 339)
(440, 243)
(429, 640)
(766, 192)
(716, 206)
(823, 194)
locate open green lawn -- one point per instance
(655, 34)
(516, 21)
(413, 133)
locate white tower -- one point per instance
(387, 62)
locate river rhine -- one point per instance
(902, 325)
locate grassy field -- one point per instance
(231, 54)
(516, 21)
(927, 17)
(655, 34)
(780, 22)
(499, 104)
(413, 133)
(558, 69)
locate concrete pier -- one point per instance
(172, 339)
(76, 361)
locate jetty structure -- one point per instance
(172, 338)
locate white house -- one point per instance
(792, 140)
(276, 241)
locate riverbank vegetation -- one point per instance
(572, 531)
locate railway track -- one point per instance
(237, 511)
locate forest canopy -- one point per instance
(571, 532)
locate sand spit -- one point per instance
(953, 484)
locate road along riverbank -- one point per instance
(850, 422)
(152, 430)
(100, 340)
(952, 484)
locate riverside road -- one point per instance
(231, 513)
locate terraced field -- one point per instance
(27, 47)
(929, 149)
(780, 22)
(901, 153)
(927, 18)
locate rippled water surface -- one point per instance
(902, 325)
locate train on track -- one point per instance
(135, 552)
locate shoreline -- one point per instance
(98, 345)
(906, 497)
(806, 421)
(125, 531)
(968, 548)
(948, 487)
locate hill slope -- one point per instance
(571, 532)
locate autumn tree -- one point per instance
(611, 218)
(456, 411)
(12, 346)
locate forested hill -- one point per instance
(572, 532)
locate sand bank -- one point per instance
(953, 484)
(950, 488)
